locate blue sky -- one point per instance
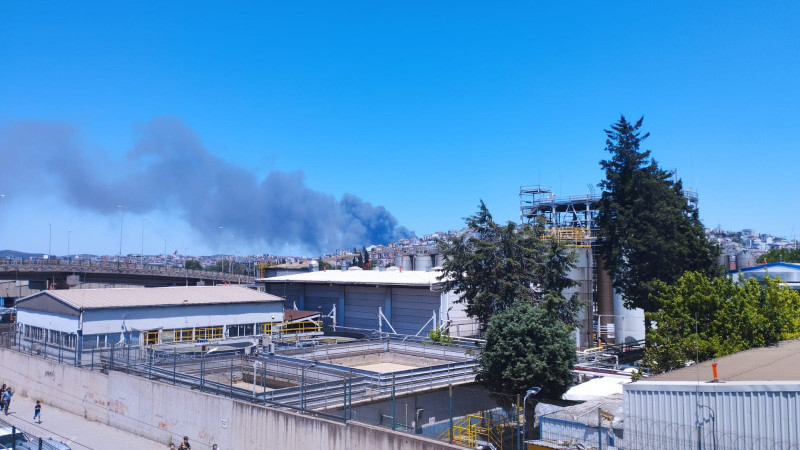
(413, 111)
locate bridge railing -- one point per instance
(87, 265)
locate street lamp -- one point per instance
(121, 221)
(50, 242)
(221, 248)
(531, 391)
(68, 233)
(141, 255)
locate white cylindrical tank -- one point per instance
(313, 266)
(628, 323)
(439, 260)
(398, 261)
(422, 263)
(408, 263)
(745, 260)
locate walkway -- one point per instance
(74, 430)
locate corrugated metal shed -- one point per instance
(160, 296)
(675, 415)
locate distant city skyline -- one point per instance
(303, 129)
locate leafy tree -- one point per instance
(192, 264)
(525, 347)
(324, 265)
(701, 318)
(648, 231)
(781, 255)
(366, 256)
(492, 266)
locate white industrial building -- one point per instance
(83, 319)
(753, 404)
(789, 273)
(408, 301)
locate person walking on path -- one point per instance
(185, 444)
(2, 402)
(7, 398)
(37, 411)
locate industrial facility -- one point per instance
(74, 321)
(572, 220)
(395, 301)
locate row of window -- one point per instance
(60, 338)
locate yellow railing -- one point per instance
(307, 326)
(468, 429)
(151, 337)
(208, 333)
(574, 236)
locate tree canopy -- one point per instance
(781, 255)
(701, 318)
(493, 266)
(648, 231)
(525, 347)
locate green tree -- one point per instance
(781, 255)
(324, 265)
(701, 318)
(525, 347)
(366, 257)
(492, 266)
(192, 264)
(648, 231)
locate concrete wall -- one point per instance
(160, 411)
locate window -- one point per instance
(151, 337)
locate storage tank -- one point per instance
(313, 266)
(745, 260)
(439, 260)
(725, 262)
(605, 304)
(407, 263)
(398, 261)
(422, 263)
(628, 323)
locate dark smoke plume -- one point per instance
(170, 170)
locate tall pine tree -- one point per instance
(648, 230)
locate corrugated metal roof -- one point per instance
(374, 277)
(159, 296)
(776, 363)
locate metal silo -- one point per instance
(422, 263)
(408, 263)
(745, 260)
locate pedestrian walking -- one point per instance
(185, 444)
(2, 402)
(37, 412)
(7, 399)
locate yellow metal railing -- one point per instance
(468, 429)
(307, 326)
(150, 337)
(574, 236)
(208, 333)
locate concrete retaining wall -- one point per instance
(162, 412)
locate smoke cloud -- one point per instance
(169, 169)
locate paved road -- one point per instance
(74, 430)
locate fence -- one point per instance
(305, 380)
(13, 437)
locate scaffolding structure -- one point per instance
(573, 220)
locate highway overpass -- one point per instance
(64, 274)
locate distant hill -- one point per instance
(13, 254)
